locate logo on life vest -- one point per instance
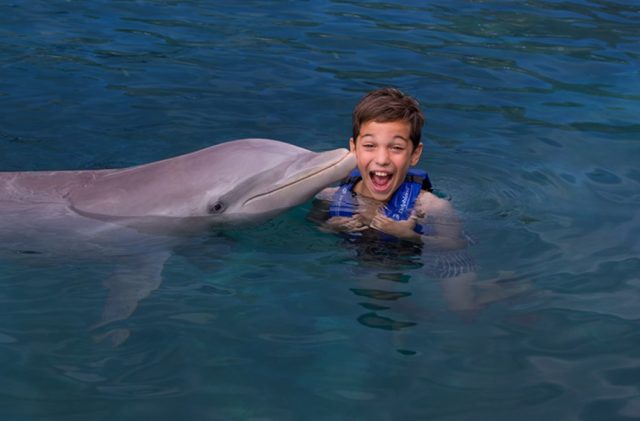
(403, 204)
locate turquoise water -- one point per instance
(532, 133)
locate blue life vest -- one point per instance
(400, 205)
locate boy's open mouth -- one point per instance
(381, 180)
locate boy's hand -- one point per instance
(400, 229)
(344, 224)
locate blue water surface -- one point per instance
(532, 132)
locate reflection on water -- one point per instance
(532, 134)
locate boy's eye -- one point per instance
(367, 145)
(397, 148)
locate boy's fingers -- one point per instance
(381, 217)
(377, 220)
(355, 224)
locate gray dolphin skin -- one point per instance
(237, 182)
(142, 212)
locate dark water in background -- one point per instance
(532, 132)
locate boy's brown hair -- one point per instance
(385, 105)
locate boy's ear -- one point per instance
(352, 145)
(415, 155)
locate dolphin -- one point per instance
(237, 182)
(142, 212)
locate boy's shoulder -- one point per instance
(428, 202)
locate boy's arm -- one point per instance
(430, 209)
(403, 230)
(320, 211)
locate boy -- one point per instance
(387, 126)
(385, 198)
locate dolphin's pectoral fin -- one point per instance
(135, 278)
(115, 337)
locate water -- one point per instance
(532, 133)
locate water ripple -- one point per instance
(531, 133)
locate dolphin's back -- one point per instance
(89, 190)
(43, 186)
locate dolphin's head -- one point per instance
(234, 182)
(276, 176)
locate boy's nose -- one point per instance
(382, 156)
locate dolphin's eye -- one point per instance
(216, 207)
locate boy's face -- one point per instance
(384, 153)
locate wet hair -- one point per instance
(386, 105)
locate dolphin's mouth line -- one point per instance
(258, 196)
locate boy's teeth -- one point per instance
(380, 178)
